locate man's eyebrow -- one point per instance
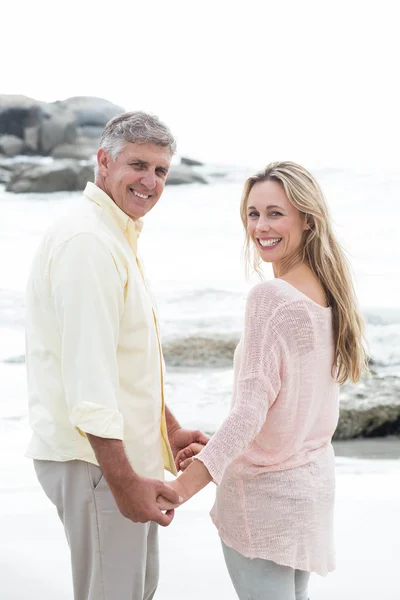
(144, 163)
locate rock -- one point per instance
(11, 145)
(59, 176)
(18, 113)
(92, 132)
(44, 126)
(85, 174)
(5, 175)
(92, 111)
(32, 139)
(370, 408)
(200, 351)
(59, 129)
(6, 170)
(82, 148)
(181, 174)
(191, 162)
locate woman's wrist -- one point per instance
(192, 480)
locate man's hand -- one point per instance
(164, 504)
(137, 500)
(181, 438)
(135, 496)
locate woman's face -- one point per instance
(273, 223)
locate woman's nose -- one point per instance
(262, 226)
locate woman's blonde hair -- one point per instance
(323, 253)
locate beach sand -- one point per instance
(34, 559)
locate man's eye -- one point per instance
(137, 165)
(162, 172)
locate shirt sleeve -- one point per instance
(88, 297)
(257, 387)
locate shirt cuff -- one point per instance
(98, 420)
(211, 463)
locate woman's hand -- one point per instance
(164, 504)
(185, 457)
(194, 479)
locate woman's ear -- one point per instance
(307, 223)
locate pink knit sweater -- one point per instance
(272, 458)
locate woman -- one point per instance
(272, 458)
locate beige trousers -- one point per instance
(112, 558)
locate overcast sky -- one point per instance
(239, 82)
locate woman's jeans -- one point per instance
(259, 579)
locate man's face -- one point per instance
(135, 180)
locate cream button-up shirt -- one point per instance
(93, 353)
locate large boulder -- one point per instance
(91, 111)
(85, 174)
(82, 148)
(181, 174)
(11, 145)
(6, 170)
(19, 114)
(5, 175)
(60, 128)
(370, 408)
(40, 125)
(92, 132)
(58, 176)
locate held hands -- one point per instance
(194, 479)
(180, 439)
(185, 457)
(166, 504)
(185, 444)
(138, 500)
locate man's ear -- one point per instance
(102, 162)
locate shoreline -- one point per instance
(374, 448)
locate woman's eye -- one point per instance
(275, 213)
(253, 214)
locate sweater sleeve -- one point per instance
(257, 386)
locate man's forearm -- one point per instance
(113, 461)
(135, 496)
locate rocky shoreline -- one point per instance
(368, 409)
(65, 135)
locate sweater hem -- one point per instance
(285, 562)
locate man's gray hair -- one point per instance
(138, 128)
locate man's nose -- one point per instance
(149, 180)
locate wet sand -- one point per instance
(369, 448)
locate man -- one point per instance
(102, 434)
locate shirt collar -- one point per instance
(99, 197)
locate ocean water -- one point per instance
(192, 246)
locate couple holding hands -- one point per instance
(102, 434)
